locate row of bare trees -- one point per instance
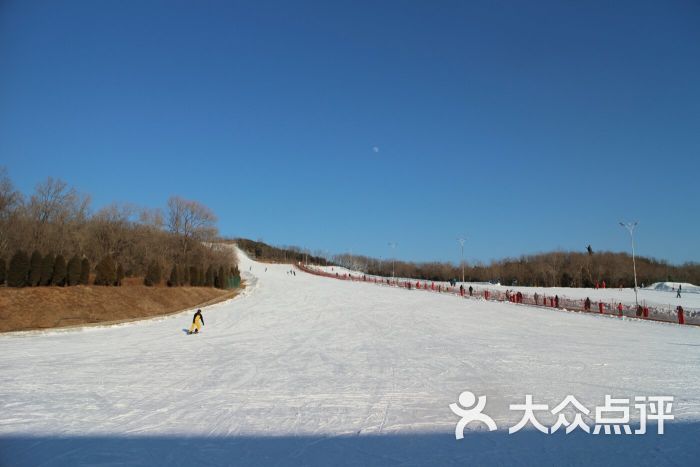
(57, 220)
(285, 254)
(554, 269)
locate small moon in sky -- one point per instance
(375, 149)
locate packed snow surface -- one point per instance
(660, 294)
(309, 370)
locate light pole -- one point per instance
(461, 241)
(393, 247)
(630, 227)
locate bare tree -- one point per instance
(10, 201)
(192, 221)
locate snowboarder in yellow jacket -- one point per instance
(197, 322)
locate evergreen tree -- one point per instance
(120, 275)
(105, 272)
(59, 271)
(153, 274)
(209, 277)
(3, 271)
(221, 276)
(47, 269)
(73, 271)
(235, 276)
(193, 276)
(85, 271)
(184, 276)
(18, 273)
(174, 280)
(35, 269)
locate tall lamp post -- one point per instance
(630, 227)
(393, 247)
(461, 241)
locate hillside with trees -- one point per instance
(51, 237)
(553, 269)
(62, 263)
(263, 252)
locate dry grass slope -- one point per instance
(51, 307)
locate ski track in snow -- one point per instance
(311, 370)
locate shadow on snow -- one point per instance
(679, 446)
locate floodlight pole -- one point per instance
(461, 242)
(393, 247)
(630, 227)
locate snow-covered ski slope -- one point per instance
(305, 370)
(659, 294)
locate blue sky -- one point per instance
(526, 126)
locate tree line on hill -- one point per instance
(267, 253)
(55, 223)
(554, 269)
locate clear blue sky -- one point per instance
(527, 126)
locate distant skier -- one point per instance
(587, 304)
(678, 294)
(197, 322)
(471, 290)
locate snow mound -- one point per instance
(673, 286)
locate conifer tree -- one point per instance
(222, 278)
(153, 274)
(193, 276)
(35, 269)
(174, 280)
(85, 271)
(73, 271)
(105, 272)
(217, 279)
(209, 277)
(120, 275)
(185, 276)
(47, 269)
(18, 272)
(59, 271)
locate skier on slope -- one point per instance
(197, 322)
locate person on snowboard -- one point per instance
(197, 322)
